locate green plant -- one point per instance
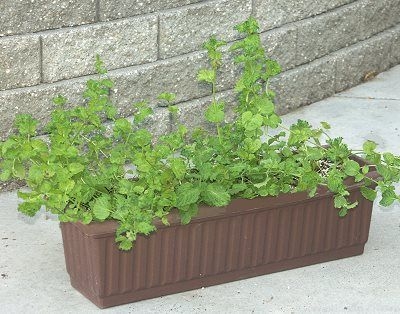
(86, 172)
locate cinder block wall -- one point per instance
(47, 48)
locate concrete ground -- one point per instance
(33, 277)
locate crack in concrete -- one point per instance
(365, 97)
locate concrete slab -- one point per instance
(356, 120)
(385, 86)
(32, 270)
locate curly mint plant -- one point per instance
(85, 172)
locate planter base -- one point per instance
(104, 302)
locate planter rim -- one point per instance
(236, 207)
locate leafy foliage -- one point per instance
(84, 172)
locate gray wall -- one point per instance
(47, 47)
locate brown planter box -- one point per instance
(245, 239)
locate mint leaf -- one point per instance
(351, 168)
(368, 193)
(236, 188)
(215, 112)
(19, 171)
(272, 68)
(340, 201)
(178, 167)
(252, 122)
(25, 124)
(188, 212)
(388, 197)
(369, 147)
(29, 208)
(215, 195)
(143, 112)
(384, 171)
(145, 227)
(365, 169)
(102, 207)
(168, 97)
(250, 26)
(187, 194)
(265, 105)
(325, 125)
(206, 75)
(125, 244)
(273, 121)
(300, 132)
(87, 218)
(5, 175)
(335, 181)
(75, 168)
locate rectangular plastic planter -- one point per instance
(245, 239)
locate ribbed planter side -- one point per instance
(245, 239)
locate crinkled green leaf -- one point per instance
(75, 168)
(325, 125)
(215, 195)
(388, 197)
(125, 244)
(187, 194)
(265, 105)
(102, 207)
(384, 171)
(5, 174)
(188, 212)
(369, 146)
(25, 124)
(87, 218)
(206, 75)
(178, 167)
(368, 193)
(272, 69)
(29, 208)
(351, 167)
(215, 112)
(273, 121)
(145, 227)
(236, 188)
(19, 171)
(335, 181)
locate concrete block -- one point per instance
(71, 53)
(186, 29)
(340, 28)
(145, 83)
(38, 102)
(133, 84)
(328, 32)
(111, 10)
(395, 50)
(363, 59)
(159, 122)
(273, 13)
(35, 100)
(191, 113)
(376, 16)
(18, 17)
(19, 62)
(176, 75)
(304, 84)
(280, 45)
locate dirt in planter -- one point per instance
(11, 186)
(324, 165)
